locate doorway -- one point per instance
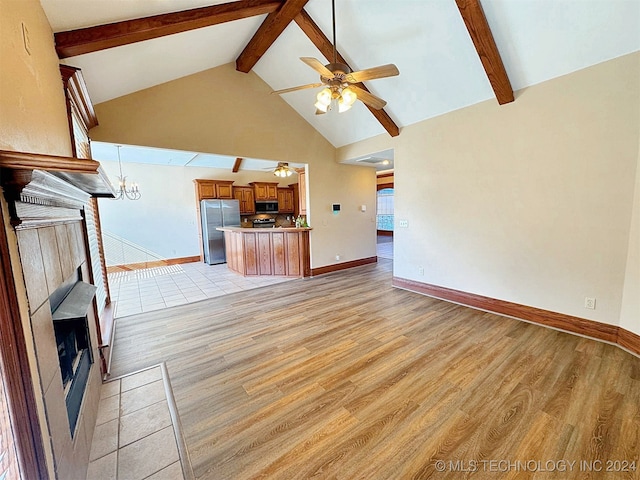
(385, 216)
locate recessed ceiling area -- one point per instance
(381, 161)
(103, 151)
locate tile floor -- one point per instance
(150, 289)
(136, 437)
(385, 249)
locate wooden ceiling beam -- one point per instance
(100, 37)
(236, 165)
(267, 33)
(322, 43)
(482, 38)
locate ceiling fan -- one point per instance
(282, 170)
(340, 82)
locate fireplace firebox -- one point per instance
(70, 305)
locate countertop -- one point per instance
(264, 230)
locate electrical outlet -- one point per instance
(421, 270)
(590, 303)
(338, 257)
(403, 223)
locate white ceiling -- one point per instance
(439, 68)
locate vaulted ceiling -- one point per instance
(450, 53)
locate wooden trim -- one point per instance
(629, 340)
(100, 37)
(103, 261)
(236, 165)
(382, 175)
(342, 266)
(568, 323)
(50, 163)
(480, 33)
(267, 33)
(82, 173)
(382, 186)
(17, 374)
(152, 264)
(385, 233)
(75, 90)
(107, 327)
(322, 43)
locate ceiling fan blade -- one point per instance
(369, 98)
(317, 66)
(372, 73)
(301, 87)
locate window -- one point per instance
(384, 209)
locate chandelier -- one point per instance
(133, 192)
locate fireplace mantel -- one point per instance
(44, 189)
(84, 174)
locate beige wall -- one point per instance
(630, 315)
(245, 120)
(33, 115)
(528, 202)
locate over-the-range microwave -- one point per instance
(266, 207)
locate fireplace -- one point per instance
(69, 306)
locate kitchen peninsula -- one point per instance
(268, 251)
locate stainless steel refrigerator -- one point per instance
(217, 213)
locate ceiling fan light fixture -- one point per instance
(323, 99)
(282, 171)
(346, 100)
(343, 105)
(349, 96)
(320, 107)
(324, 96)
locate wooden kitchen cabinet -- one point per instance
(224, 190)
(285, 200)
(245, 196)
(265, 191)
(207, 189)
(270, 251)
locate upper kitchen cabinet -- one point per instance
(206, 189)
(265, 191)
(285, 200)
(244, 195)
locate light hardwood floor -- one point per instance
(344, 377)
